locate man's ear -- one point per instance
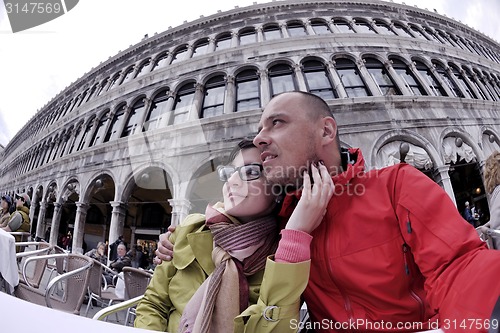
(329, 130)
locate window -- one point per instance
(247, 90)
(213, 102)
(434, 86)
(101, 129)
(320, 27)
(128, 75)
(383, 80)
(115, 124)
(433, 35)
(408, 78)
(417, 33)
(160, 61)
(485, 80)
(82, 97)
(383, 28)
(143, 67)
(343, 26)
(132, 126)
(443, 37)
(282, 79)
(200, 48)
(492, 87)
(92, 91)
(401, 30)
(351, 78)
(296, 29)
(101, 86)
(317, 79)
(223, 41)
(183, 103)
(113, 81)
(272, 32)
(180, 54)
(451, 84)
(157, 111)
(363, 27)
(248, 36)
(90, 124)
(463, 84)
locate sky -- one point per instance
(39, 63)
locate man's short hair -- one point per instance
(318, 106)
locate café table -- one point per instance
(8, 262)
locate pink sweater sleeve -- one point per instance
(294, 246)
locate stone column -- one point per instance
(421, 80)
(405, 90)
(79, 231)
(197, 102)
(117, 220)
(234, 39)
(284, 30)
(301, 81)
(442, 177)
(180, 209)
(56, 221)
(260, 34)
(309, 28)
(165, 121)
(40, 225)
(211, 45)
(32, 216)
(367, 78)
(441, 81)
(265, 89)
(230, 98)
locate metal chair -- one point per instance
(136, 282)
(41, 249)
(75, 282)
(103, 295)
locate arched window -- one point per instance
(82, 97)
(447, 79)
(247, 36)
(114, 127)
(160, 61)
(213, 102)
(101, 129)
(183, 103)
(363, 27)
(485, 80)
(490, 85)
(142, 68)
(408, 77)
(445, 39)
(134, 121)
(384, 28)
(78, 129)
(271, 32)
(401, 30)
(383, 80)
(200, 48)
(157, 111)
(113, 82)
(317, 79)
(463, 84)
(247, 90)
(223, 41)
(101, 86)
(416, 32)
(296, 29)
(180, 54)
(92, 91)
(343, 26)
(320, 27)
(473, 80)
(85, 134)
(351, 79)
(282, 78)
(433, 35)
(433, 84)
(128, 75)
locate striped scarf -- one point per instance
(240, 250)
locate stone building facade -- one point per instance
(131, 147)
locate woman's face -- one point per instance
(247, 199)
(4, 204)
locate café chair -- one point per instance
(36, 273)
(74, 281)
(136, 282)
(98, 289)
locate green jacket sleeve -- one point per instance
(153, 311)
(277, 309)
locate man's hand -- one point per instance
(165, 251)
(311, 208)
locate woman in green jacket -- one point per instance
(221, 279)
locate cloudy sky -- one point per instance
(40, 62)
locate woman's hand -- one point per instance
(311, 208)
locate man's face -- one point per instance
(121, 250)
(288, 139)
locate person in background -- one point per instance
(468, 216)
(122, 260)
(99, 253)
(20, 219)
(5, 210)
(492, 186)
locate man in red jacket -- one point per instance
(392, 252)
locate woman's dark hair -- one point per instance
(242, 145)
